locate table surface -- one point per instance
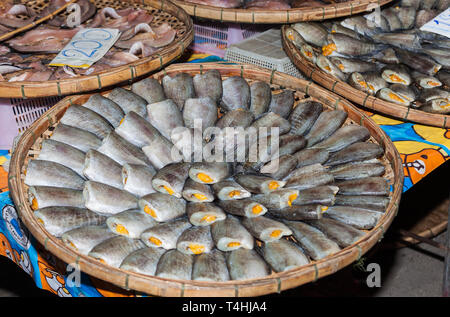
(422, 150)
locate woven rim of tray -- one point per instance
(113, 75)
(276, 282)
(327, 11)
(361, 98)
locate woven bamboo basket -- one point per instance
(327, 11)
(28, 148)
(359, 97)
(162, 11)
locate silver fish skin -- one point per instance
(107, 200)
(324, 195)
(311, 156)
(165, 234)
(235, 118)
(195, 240)
(312, 240)
(406, 15)
(326, 124)
(246, 264)
(113, 251)
(105, 107)
(270, 120)
(204, 214)
(168, 110)
(143, 261)
(137, 179)
(277, 199)
(175, 265)
(228, 189)
(396, 74)
(150, 89)
(358, 218)
(171, 178)
(375, 186)
(427, 4)
(258, 184)
(358, 170)
(128, 101)
(378, 203)
(347, 45)
(440, 55)
(282, 103)
(359, 151)
(122, 151)
(245, 207)
(350, 65)
(303, 116)
(308, 176)
(403, 40)
(203, 109)
(236, 93)
(137, 130)
(375, 82)
(444, 77)
(344, 235)
(413, 3)
(266, 229)
(57, 220)
(209, 172)
(130, 223)
(161, 152)
(325, 64)
(271, 148)
(46, 173)
(438, 105)
(209, 84)
(48, 196)
(162, 207)
(179, 88)
(391, 16)
(230, 234)
(338, 28)
(260, 97)
(210, 267)
(197, 192)
(426, 81)
(86, 119)
(433, 93)
(423, 16)
(344, 137)
(297, 212)
(83, 239)
(392, 96)
(312, 32)
(101, 168)
(283, 255)
(78, 138)
(410, 93)
(286, 164)
(386, 56)
(63, 154)
(420, 62)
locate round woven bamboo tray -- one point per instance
(361, 98)
(162, 11)
(327, 11)
(28, 148)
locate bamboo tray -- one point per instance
(162, 11)
(361, 98)
(28, 148)
(327, 11)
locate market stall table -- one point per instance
(422, 149)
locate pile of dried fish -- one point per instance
(106, 181)
(264, 4)
(137, 39)
(387, 56)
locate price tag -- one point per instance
(86, 47)
(440, 24)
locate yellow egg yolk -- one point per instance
(432, 83)
(208, 218)
(444, 105)
(196, 248)
(233, 244)
(72, 245)
(234, 193)
(155, 241)
(169, 190)
(328, 49)
(395, 97)
(396, 78)
(150, 211)
(363, 83)
(292, 198)
(328, 68)
(257, 209)
(204, 178)
(121, 121)
(34, 204)
(41, 221)
(309, 54)
(121, 229)
(324, 208)
(199, 196)
(341, 66)
(273, 185)
(275, 234)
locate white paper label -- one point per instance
(440, 24)
(86, 47)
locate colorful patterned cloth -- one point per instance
(421, 148)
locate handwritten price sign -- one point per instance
(86, 47)
(439, 25)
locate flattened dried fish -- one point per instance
(130, 223)
(105, 107)
(229, 234)
(86, 119)
(260, 97)
(228, 190)
(63, 154)
(359, 151)
(122, 151)
(162, 207)
(165, 234)
(100, 168)
(236, 93)
(343, 137)
(209, 172)
(204, 214)
(143, 261)
(243, 207)
(165, 116)
(277, 199)
(324, 195)
(46, 173)
(48, 196)
(326, 124)
(83, 239)
(376, 186)
(342, 234)
(354, 216)
(210, 267)
(128, 101)
(246, 264)
(195, 240)
(150, 89)
(209, 84)
(78, 138)
(197, 192)
(378, 203)
(175, 265)
(179, 88)
(283, 255)
(266, 229)
(297, 212)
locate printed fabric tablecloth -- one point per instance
(422, 149)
